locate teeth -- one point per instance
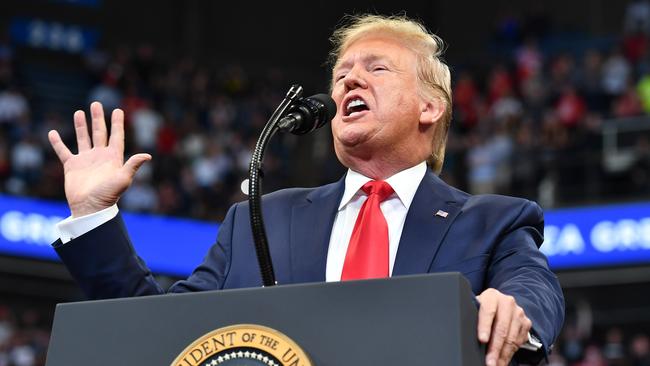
(355, 103)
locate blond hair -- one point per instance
(433, 74)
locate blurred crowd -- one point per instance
(528, 124)
(24, 336)
(532, 125)
(199, 124)
(613, 348)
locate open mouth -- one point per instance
(355, 106)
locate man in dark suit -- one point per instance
(390, 214)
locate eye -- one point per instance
(379, 68)
(339, 77)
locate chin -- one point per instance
(351, 143)
(348, 152)
(352, 135)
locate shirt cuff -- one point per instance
(72, 227)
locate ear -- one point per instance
(431, 111)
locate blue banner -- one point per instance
(612, 235)
(55, 36)
(586, 237)
(168, 245)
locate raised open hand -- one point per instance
(96, 176)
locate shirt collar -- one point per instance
(404, 183)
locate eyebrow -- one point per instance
(366, 59)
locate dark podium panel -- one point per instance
(410, 320)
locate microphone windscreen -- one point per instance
(328, 102)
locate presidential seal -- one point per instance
(243, 345)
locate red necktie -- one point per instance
(367, 255)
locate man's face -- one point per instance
(379, 109)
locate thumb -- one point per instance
(135, 162)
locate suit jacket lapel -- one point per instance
(424, 229)
(311, 227)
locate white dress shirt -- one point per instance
(394, 208)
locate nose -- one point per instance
(354, 79)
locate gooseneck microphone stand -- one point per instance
(255, 174)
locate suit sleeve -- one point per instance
(212, 273)
(105, 264)
(519, 269)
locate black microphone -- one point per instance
(308, 114)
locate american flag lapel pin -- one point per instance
(442, 213)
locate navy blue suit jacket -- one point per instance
(492, 240)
